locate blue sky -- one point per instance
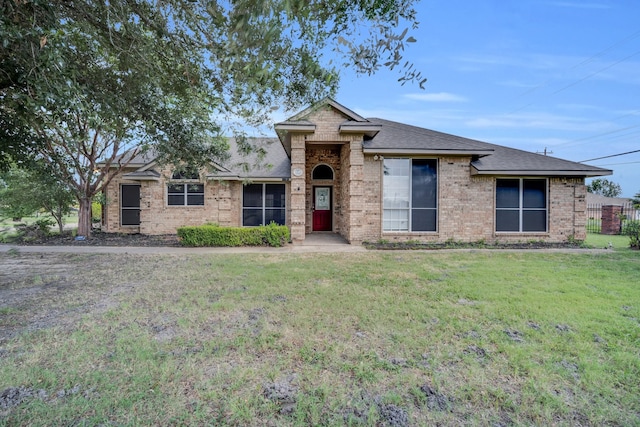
(527, 74)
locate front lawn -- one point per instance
(375, 338)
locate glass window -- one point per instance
(410, 195)
(185, 194)
(521, 205)
(262, 204)
(130, 204)
(322, 172)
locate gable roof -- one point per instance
(274, 166)
(489, 159)
(354, 123)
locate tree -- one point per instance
(636, 200)
(604, 187)
(83, 81)
(26, 191)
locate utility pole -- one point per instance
(545, 152)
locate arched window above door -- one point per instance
(322, 172)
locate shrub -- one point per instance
(632, 229)
(96, 211)
(214, 235)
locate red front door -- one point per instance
(321, 208)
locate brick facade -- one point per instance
(466, 202)
(222, 205)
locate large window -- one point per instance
(262, 204)
(410, 195)
(521, 205)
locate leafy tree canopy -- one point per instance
(604, 187)
(175, 68)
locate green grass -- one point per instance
(7, 225)
(512, 338)
(617, 242)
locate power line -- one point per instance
(595, 73)
(613, 155)
(586, 61)
(598, 135)
(623, 163)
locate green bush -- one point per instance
(632, 229)
(214, 235)
(96, 211)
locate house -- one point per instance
(331, 170)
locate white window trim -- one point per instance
(521, 208)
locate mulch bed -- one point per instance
(103, 239)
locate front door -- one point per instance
(321, 208)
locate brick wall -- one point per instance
(466, 207)
(222, 205)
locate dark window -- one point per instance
(186, 173)
(521, 205)
(185, 194)
(263, 203)
(322, 172)
(130, 205)
(410, 195)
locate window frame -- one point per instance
(521, 209)
(263, 208)
(182, 177)
(411, 209)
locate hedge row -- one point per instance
(214, 235)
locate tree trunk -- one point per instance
(84, 218)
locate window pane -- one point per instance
(185, 173)
(396, 220)
(396, 183)
(534, 220)
(176, 188)
(534, 193)
(252, 196)
(195, 188)
(251, 217)
(423, 220)
(175, 200)
(130, 217)
(507, 220)
(275, 215)
(424, 184)
(274, 195)
(507, 193)
(322, 172)
(195, 200)
(130, 196)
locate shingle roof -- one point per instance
(518, 162)
(491, 159)
(402, 137)
(275, 163)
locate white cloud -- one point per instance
(436, 97)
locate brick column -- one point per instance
(611, 219)
(356, 191)
(298, 189)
